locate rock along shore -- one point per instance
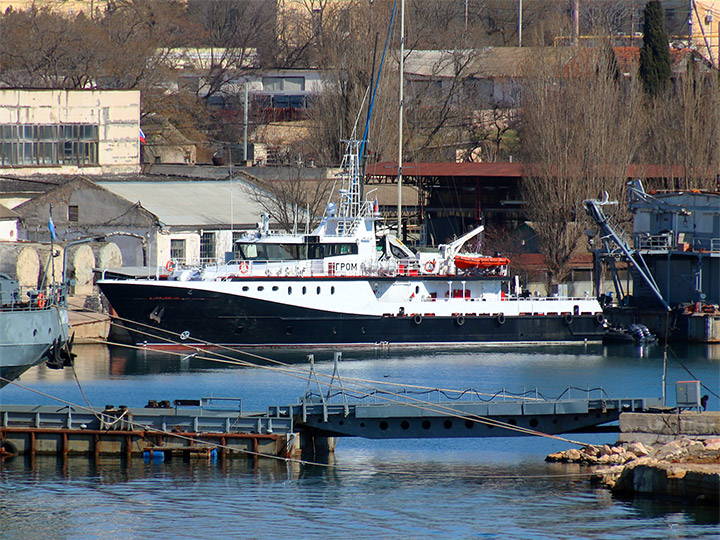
(686, 468)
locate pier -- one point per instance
(219, 427)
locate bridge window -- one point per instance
(271, 252)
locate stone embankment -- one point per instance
(685, 467)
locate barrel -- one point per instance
(22, 262)
(80, 264)
(107, 255)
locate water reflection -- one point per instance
(106, 362)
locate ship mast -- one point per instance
(400, 119)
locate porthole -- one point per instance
(426, 424)
(332, 290)
(417, 290)
(261, 288)
(341, 422)
(469, 424)
(362, 424)
(447, 424)
(512, 422)
(534, 422)
(246, 288)
(405, 424)
(304, 290)
(35, 332)
(289, 290)
(275, 288)
(288, 330)
(384, 425)
(318, 290)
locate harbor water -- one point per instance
(435, 488)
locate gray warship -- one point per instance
(32, 330)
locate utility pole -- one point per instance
(519, 23)
(576, 22)
(690, 23)
(245, 124)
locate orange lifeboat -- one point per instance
(478, 261)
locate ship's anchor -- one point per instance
(60, 354)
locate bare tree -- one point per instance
(579, 134)
(291, 202)
(229, 33)
(684, 129)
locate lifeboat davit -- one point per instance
(478, 261)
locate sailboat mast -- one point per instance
(400, 119)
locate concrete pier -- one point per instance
(664, 454)
(652, 428)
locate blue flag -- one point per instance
(51, 227)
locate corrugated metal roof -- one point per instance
(194, 203)
(7, 214)
(513, 62)
(434, 169)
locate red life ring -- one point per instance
(170, 265)
(244, 267)
(430, 266)
(41, 300)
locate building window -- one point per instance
(177, 250)
(207, 247)
(33, 145)
(73, 213)
(237, 254)
(283, 84)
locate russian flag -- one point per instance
(377, 207)
(142, 136)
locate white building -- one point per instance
(89, 132)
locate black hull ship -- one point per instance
(345, 284)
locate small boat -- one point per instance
(635, 333)
(466, 261)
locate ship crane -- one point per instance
(612, 242)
